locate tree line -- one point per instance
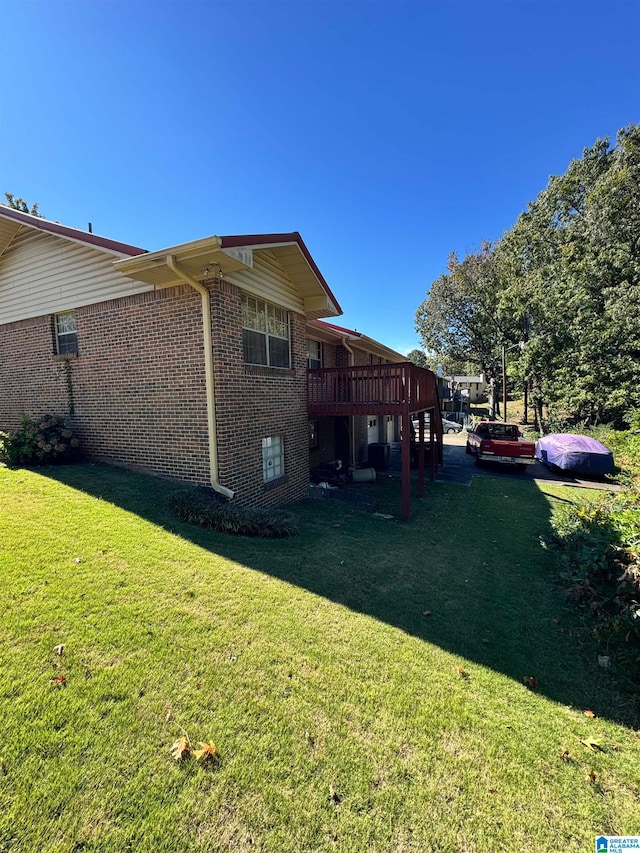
(559, 291)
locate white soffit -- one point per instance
(8, 230)
(201, 259)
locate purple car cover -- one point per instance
(578, 454)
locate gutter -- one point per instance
(353, 432)
(208, 370)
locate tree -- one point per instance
(462, 318)
(21, 205)
(572, 261)
(417, 356)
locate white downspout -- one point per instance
(208, 370)
(353, 431)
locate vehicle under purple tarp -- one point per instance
(577, 454)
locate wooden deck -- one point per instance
(400, 389)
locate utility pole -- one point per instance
(504, 383)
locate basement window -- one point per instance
(265, 333)
(66, 333)
(272, 458)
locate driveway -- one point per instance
(461, 468)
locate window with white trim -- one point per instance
(265, 333)
(272, 458)
(314, 353)
(66, 333)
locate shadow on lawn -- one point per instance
(471, 558)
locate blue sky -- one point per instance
(388, 133)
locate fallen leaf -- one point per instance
(333, 795)
(565, 755)
(591, 744)
(592, 776)
(77, 559)
(206, 753)
(462, 672)
(531, 682)
(58, 650)
(426, 613)
(493, 790)
(58, 681)
(168, 717)
(181, 748)
(590, 714)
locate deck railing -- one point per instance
(370, 389)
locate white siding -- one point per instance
(43, 274)
(268, 281)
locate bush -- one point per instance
(208, 509)
(600, 547)
(39, 441)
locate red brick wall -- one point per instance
(253, 403)
(32, 380)
(138, 389)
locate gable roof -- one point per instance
(11, 221)
(225, 255)
(196, 257)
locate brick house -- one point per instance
(190, 362)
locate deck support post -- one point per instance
(406, 464)
(421, 454)
(432, 448)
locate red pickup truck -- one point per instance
(494, 441)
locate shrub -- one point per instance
(208, 509)
(39, 441)
(600, 548)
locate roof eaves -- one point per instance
(75, 234)
(351, 332)
(266, 240)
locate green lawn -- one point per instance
(340, 715)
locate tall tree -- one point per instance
(462, 318)
(572, 261)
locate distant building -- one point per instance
(475, 386)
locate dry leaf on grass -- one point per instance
(59, 649)
(58, 681)
(592, 776)
(462, 673)
(590, 714)
(565, 755)
(206, 753)
(181, 748)
(591, 744)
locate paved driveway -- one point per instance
(461, 468)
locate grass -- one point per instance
(340, 715)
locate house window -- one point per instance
(314, 353)
(272, 458)
(265, 333)
(66, 333)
